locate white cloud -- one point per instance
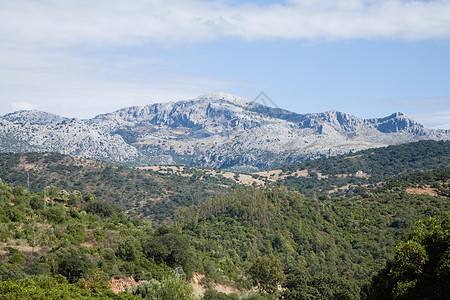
(23, 106)
(432, 112)
(43, 44)
(84, 86)
(120, 22)
(436, 119)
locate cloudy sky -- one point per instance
(370, 58)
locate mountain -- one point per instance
(36, 131)
(215, 130)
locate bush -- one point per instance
(129, 249)
(56, 214)
(38, 269)
(267, 273)
(76, 233)
(171, 248)
(37, 202)
(101, 208)
(148, 289)
(10, 271)
(169, 288)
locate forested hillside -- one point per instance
(151, 194)
(369, 167)
(251, 237)
(321, 244)
(69, 249)
(156, 194)
(348, 238)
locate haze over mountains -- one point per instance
(215, 130)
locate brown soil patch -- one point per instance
(275, 175)
(199, 290)
(23, 248)
(226, 289)
(422, 191)
(249, 180)
(122, 284)
(271, 175)
(240, 178)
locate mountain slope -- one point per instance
(154, 194)
(215, 131)
(340, 174)
(157, 192)
(35, 131)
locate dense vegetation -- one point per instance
(363, 245)
(368, 167)
(74, 237)
(342, 238)
(55, 288)
(421, 268)
(68, 247)
(151, 194)
(156, 195)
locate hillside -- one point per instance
(345, 238)
(69, 247)
(154, 194)
(338, 175)
(336, 244)
(218, 131)
(89, 241)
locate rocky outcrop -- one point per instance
(27, 131)
(215, 130)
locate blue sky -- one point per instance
(80, 58)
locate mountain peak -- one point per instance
(397, 122)
(221, 96)
(36, 117)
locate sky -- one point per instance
(369, 58)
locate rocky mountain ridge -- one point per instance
(215, 130)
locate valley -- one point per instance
(335, 222)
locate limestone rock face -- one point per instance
(27, 131)
(215, 130)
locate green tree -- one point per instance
(37, 202)
(71, 262)
(89, 198)
(267, 273)
(101, 208)
(129, 249)
(11, 271)
(76, 233)
(171, 247)
(74, 198)
(56, 214)
(421, 267)
(299, 285)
